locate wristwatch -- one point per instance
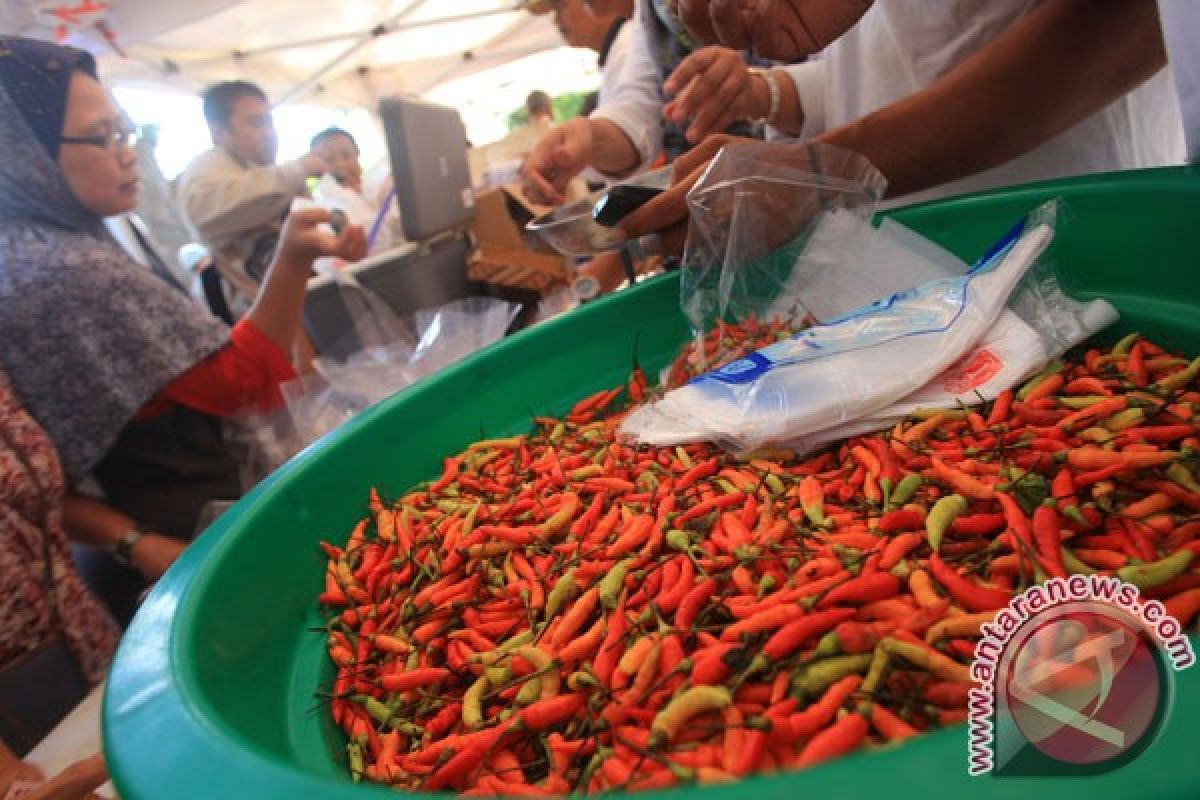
(772, 94)
(122, 551)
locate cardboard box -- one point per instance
(507, 254)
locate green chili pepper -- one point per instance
(354, 758)
(814, 678)
(472, 703)
(529, 693)
(563, 590)
(601, 755)
(611, 584)
(905, 489)
(725, 486)
(678, 540)
(941, 516)
(1183, 476)
(498, 676)
(1078, 402)
(1147, 576)
(1074, 514)
(876, 670)
(1123, 347)
(1178, 380)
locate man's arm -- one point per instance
(1060, 63)
(618, 137)
(223, 203)
(632, 100)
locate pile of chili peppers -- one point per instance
(560, 612)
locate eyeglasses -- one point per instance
(111, 141)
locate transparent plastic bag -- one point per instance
(342, 388)
(852, 366)
(752, 215)
(458, 329)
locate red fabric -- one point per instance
(244, 375)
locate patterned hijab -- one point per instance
(87, 335)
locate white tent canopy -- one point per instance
(345, 54)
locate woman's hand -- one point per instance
(76, 782)
(14, 770)
(714, 88)
(154, 553)
(304, 240)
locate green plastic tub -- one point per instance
(212, 691)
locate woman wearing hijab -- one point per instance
(128, 377)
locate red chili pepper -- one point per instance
(1047, 534)
(901, 520)
(693, 602)
(845, 735)
(969, 595)
(672, 596)
(1016, 520)
(792, 636)
(978, 524)
(552, 711)
(863, 589)
(1001, 408)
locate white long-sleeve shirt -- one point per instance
(631, 95)
(901, 46)
(231, 204)
(1181, 31)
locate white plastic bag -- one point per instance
(849, 367)
(1010, 352)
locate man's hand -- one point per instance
(558, 157)
(315, 164)
(667, 215)
(154, 553)
(303, 240)
(781, 30)
(714, 88)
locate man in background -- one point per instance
(235, 195)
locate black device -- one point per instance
(338, 221)
(620, 201)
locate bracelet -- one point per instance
(122, 551)
(772, 94)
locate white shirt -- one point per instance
(231, 203)
(902, 46)
(1181, 25)
(631, 95)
